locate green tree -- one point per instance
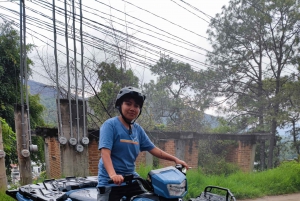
(10, 71)
(292, 112)
(9, 143)
(10, 93)
(36, 110)
(112, 79)
(254, 42)
(171, 100)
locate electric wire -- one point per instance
(26, 77)
(138, 46)
(24, 144)
(190, 11)
(164, 19)
(147, 23)
(75, 68)
(82, 71)
(68, 69)
(197, 9)
(59, 122)
(112, 16)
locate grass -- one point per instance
(4, 197)
(284, 179)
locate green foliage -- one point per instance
(284, 179)
(225, 127)
(36, 111)
(39, 156)
(112, 80)
(9, 143)
(50, 113)
(212, 156)
(172, 100)
(143, 170)
(249, 74)
(4, 197)
(10, 71)
(41, 178)
(10, 93)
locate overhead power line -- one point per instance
(165, 19)
(196, 9)
(190, 11)
(135, 42)
(138, 46)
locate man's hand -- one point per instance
(117, 179)
(177, 161)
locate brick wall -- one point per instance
(141, 159)
(94, 157)
(169, 147)
(54, 157)
(242, 155)
(191, 153)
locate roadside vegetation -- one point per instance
(4, 197)
(284, 179)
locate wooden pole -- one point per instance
(23, 149)
(3, 178)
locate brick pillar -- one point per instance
(242, 155)
(191, 152)
(141, 160)
(169, 147)
(94, 157)
(53, 157)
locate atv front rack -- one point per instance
(215, 193)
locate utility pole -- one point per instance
(24, 160)
(3, 178)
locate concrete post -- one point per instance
(149, 159)
(3, 178)
(24, 162)
(73, 162)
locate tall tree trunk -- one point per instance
(295, 137)
(262, 155)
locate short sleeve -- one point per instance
(106, 136)
(145, 142)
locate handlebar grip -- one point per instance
(110, 181)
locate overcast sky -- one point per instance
(171, 27)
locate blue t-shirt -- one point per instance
(124, 147)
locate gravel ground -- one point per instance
(288, 197)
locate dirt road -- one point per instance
(288, 197)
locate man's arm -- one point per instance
(105, 154)
(164, 155)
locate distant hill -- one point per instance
(42, 89)
(48, 99)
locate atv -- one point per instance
(164, 184)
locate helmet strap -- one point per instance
(127, 121)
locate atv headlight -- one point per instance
(177, 189)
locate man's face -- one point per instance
(130, 109)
